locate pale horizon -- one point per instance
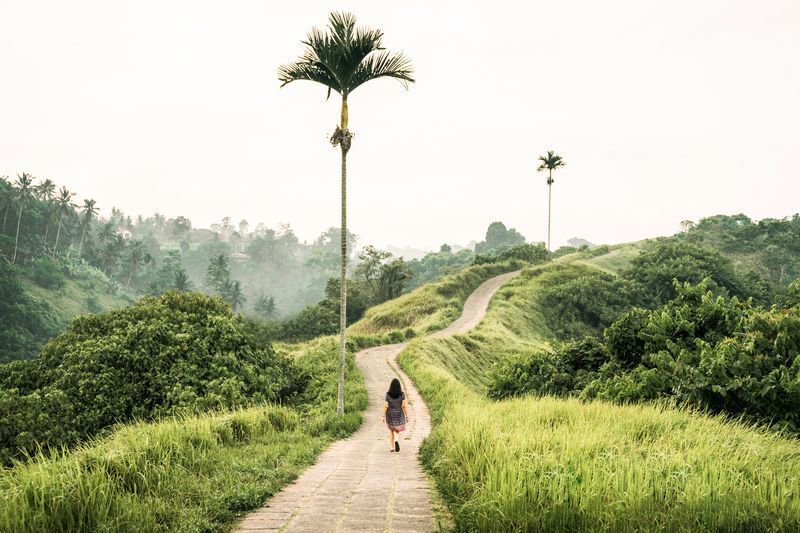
(663, 112)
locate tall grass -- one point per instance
(430, 307)
(186, 474)
(547, 464)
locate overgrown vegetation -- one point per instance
(718, 354)
(190, 473)
(541, 464)
(180, 352)
(433, 306)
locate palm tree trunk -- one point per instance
(58, 234)
(343, 273)
(5, 216)
(83, 234)
(549, 203)
(16, 239)
(47, 228)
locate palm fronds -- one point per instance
(344, 56)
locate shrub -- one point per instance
(180, 352)
(25, 322)
(46, 273)
(587, 302)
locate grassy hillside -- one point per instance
(196, 473)
(532, 464)
(430, 307)
(76, 297)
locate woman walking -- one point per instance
(395, 414)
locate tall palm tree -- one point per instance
(182, 281)
(64, 207)
(89, 211)
(265, 306)
(232, 292)
(24, 183)
(7, 190)
(45, 191)
(137, 256)
(342, 59)
(550, 162)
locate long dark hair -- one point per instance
(394, 389)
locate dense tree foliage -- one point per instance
(699, 348)
(586, 304)
(175, 353)
(666, 260)
(25, 322)
(770, 246)
(499, 237)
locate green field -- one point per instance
(190, 474)
(531, 464)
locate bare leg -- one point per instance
(391, 440)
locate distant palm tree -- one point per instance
(89, 211)
(7, 200)
(64, 207)
(24, 183)
(232, 292)
(137, 256)
(182, 281)
(218, 272)
(342, 59)
(265, 306)
(550, 162)
(45, 191)
(107, 232)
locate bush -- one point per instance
(568, 369)
(180, 352)
(701, 349)
(531, 253)
(25, 322)
(666, 260)
(46, 273)
(587, 302)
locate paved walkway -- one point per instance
(357, 484)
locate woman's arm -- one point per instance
(385, 408)
(405, 410)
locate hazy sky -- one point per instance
(663, 111)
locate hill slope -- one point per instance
(552, 464)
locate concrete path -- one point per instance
(357, 484)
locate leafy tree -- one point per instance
(342, 59)
(661, 262)
(393, 278)
(178, 353)
(25, 322)
(499, 237)
(550, 162)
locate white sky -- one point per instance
(663, 111)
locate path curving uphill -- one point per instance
(357, 484)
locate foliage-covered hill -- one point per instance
(181, 352)
(545, 464)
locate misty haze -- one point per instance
(418, 267)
